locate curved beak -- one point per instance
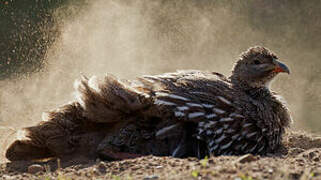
(280, 67)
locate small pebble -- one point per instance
(295, 151)
(247, 158)
(152, 177)
(102, 168)
(35, 168)
(8, 177)
(295, 175)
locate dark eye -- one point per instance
(257, 61)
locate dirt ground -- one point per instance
(298, 159)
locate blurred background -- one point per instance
(46, 44)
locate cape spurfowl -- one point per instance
(181, 114)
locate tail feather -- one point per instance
(108, 99)
(50, 137)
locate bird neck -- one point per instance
(259, 93)
(253, 91)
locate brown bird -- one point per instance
(181, 114)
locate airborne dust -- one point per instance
(132, 38)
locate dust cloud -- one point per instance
(132, 38)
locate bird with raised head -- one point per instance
(181, 114)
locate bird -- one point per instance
(187, 113)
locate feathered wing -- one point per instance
(209, 100)
(202, 98)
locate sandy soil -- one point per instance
(298, 159)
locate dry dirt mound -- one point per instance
(298, 159)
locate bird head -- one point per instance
(257, 67)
